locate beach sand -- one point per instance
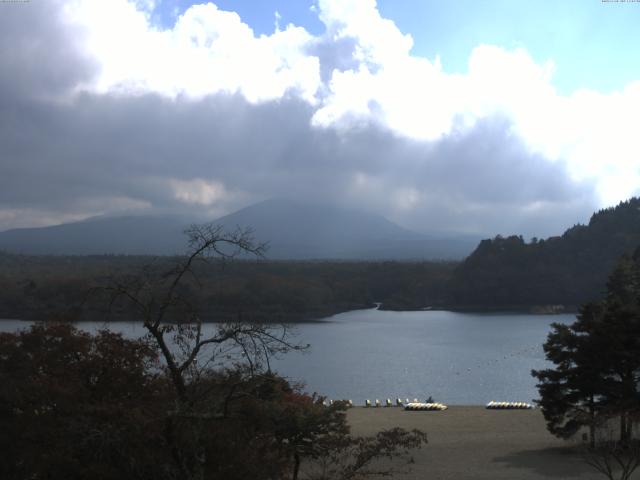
(476, 443)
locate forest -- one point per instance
(563, 271)
(40, 288)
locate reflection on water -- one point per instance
(457, 358)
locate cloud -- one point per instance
(223, 152)
(207, 51)
(118, 113)
(40, 52)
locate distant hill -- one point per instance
(294, 230)
(298, 230)
(131, 235)
(567, 270)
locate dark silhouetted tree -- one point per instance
(597, 361)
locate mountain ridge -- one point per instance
(294, 230)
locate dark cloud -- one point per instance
(109, 146)
(98, 153)
(40, 53)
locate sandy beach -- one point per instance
(476, 443)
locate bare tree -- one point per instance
(188, 347)
(209, 394)
(609, 456)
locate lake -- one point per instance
(457, 358)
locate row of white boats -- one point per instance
(425, 406)
(430, 405)
(399, 403)
(509, 405)
(377, 403)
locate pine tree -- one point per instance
(597, 361)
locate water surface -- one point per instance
(457, 358)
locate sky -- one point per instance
(481, 117)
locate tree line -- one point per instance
(43, 287)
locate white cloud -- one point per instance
(207, 51)
(592, 133)
(380, 43)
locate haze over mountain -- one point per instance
(293, 230)
(307, 230)
(131, 235)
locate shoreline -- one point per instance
(497, 309)
(307, 319)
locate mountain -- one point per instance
(297, 230)
(567, 270)
(132, 235)
(293, 230)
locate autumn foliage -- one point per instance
(76, 406)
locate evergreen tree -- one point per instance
(597, 361)
(620, 326)
(570, 393)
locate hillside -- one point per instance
(293, 230)
(566, 270)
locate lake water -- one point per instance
(457, 358)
